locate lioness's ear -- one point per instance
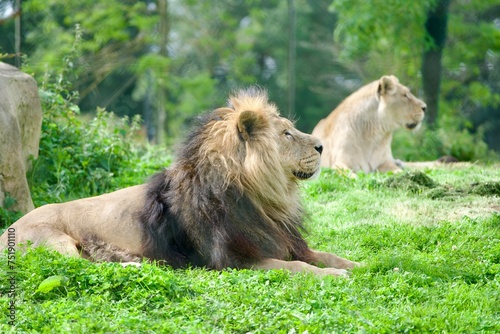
(387, 85)
(248, 123)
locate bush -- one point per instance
(427, 144)
(7, 217)
(78, 158)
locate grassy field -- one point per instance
(430, 242)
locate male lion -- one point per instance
(230, 200)
(357, 135)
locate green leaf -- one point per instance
(51, 283)
(8, 201)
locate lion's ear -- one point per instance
(387, 85)
(248, 123)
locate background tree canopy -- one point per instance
(170, 60)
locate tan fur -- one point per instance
(357, 135)
(230, 199)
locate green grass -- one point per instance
(430, 243)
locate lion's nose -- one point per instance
(424, 108)
(319, 148)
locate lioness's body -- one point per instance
(230, 200)
(357, 135)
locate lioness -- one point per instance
(357, 135)
(230, 200)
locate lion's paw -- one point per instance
(358, 264)
(335, 272)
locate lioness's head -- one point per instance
(398, 105)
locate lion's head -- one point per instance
(398, 105)
(252, 146)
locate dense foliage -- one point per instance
(86, 157)
(169, 60)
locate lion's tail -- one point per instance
(100, 251)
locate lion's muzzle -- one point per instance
(310, 166)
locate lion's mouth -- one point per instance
(411, 126)
(303, 175)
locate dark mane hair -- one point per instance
(207, 210)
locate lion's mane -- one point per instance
(198, 210)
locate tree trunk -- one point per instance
(162, 91)
(292, 46)
(18, 34)
(435, 27)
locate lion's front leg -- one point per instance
(296, 267)
(332, 260)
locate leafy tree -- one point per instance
(127, 62)
(471, 62)
(381, 36)
(213, 48)
(320, 77)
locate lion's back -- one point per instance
(82, 218)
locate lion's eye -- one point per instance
(288, 134)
